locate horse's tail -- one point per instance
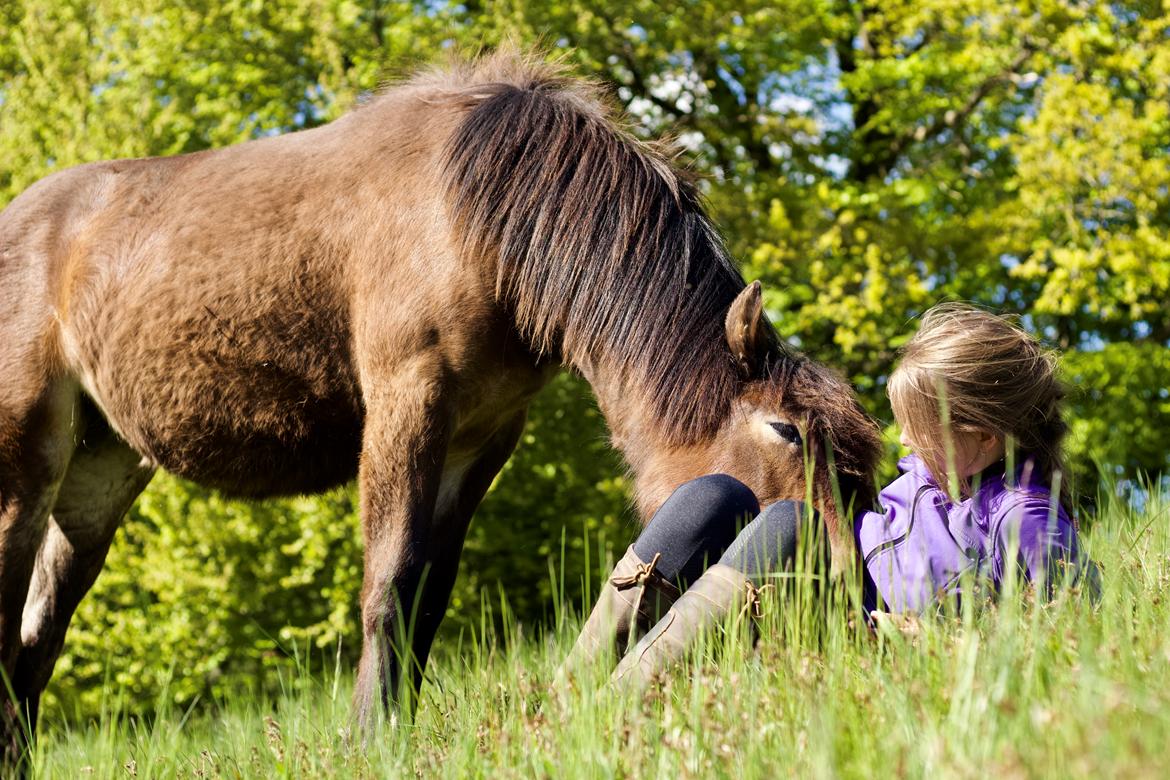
(35, 274)
(602, 247)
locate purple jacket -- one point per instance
(922, 543)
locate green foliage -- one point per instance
(868, 160)
(206, 597)
(865, 160)
(86, 80)
(1121, 410)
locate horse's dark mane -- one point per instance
(605, 254)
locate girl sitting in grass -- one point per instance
(978, 403)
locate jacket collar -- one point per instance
(992, 477)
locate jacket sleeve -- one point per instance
(1042, 538)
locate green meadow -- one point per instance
(1017, 688)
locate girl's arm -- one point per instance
(1044, 538)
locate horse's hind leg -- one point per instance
(104, 478)
(36, 442)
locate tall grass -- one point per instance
(1020, 688)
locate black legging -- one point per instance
(701, 521)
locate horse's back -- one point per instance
(216, 306)
(210, 304)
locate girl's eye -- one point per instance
(788, 432)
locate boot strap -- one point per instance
(751, 604)
(643, 574)
(645, 577)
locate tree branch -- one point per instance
(739, 119)
(638, 77)
(955, 117)
(862, 165)
(928, 35)
(640, 86)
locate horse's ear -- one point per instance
(748, 333)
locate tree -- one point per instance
(870, 159)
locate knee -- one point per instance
(709, 505)
(793, 524)
(792, 521)
(696, 524)
(789, 514)
(717, 495)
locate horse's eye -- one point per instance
(788, 432)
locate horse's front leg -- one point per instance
(466, 480)
(407, 427)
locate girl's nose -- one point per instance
(903, 439)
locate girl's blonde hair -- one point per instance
(970, 370)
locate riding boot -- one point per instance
(634, 597)
(722, 590)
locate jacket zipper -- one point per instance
(909, 527)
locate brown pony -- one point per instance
(381, 297)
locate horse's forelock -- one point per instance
(836, 423)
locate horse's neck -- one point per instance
(658, 466)
(618, 403)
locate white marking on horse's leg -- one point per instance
(451, 483)
(102, 481)
(38, 440)
(39, 469)
(53, 552)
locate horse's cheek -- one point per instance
(742, 457)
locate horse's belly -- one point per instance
(258, 411)
(258, 441)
